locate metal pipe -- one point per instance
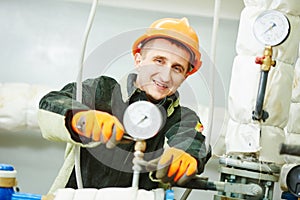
(139, 147)
(212, 71)
(262, 167)
(79, 85)
(266, 63)
(259, 113)
(202, 184)
(290, 149)
(186, 194)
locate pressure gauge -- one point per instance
(271, 28)
(142, 120)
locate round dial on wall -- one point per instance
(142, 120)
(271, 27)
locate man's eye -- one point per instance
(178, 69)
(159, 61)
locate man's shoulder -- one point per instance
(186, 111)
(107, 78)
(103, 79)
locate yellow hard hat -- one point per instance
(176, 29)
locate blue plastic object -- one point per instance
(25, 196)
(6, 192)
(169, 194)
(6, 167)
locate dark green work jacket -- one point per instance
(102, 167)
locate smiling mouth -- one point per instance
(160, 85)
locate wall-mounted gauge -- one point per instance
(271, 28)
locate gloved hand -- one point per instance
(99, 126)
(177, 166)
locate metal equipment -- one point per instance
(291, 175)
(142, 120)
(270, 28)
(247, 171)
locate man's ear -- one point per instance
(137, 59)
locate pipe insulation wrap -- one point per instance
(293, 126)
(19, 106)
(287, 6)
(244, 85)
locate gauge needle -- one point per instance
(145, 117)
(273, 25)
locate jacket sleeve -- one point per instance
(57, 107)
(184, 135)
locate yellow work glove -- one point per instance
(99, 126)
(177, 166)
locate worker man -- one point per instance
(163, 57)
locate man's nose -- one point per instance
(165, 73)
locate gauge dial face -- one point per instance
(271, 28)
(142, 120)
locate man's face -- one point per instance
(162, 67)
